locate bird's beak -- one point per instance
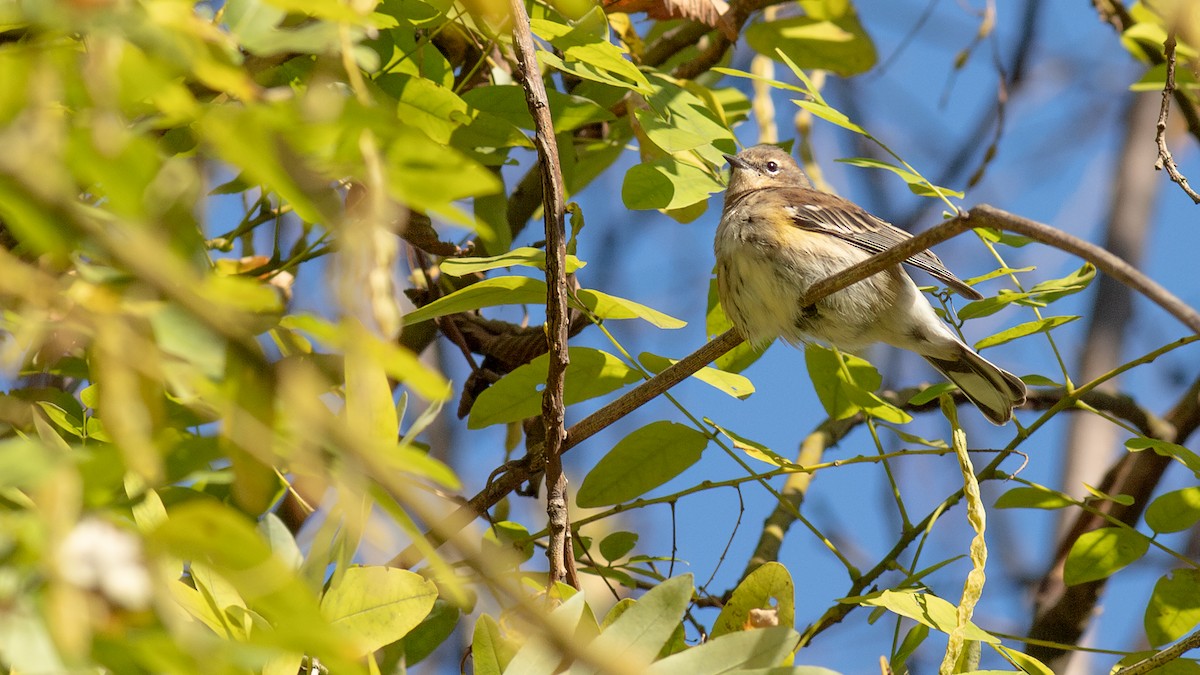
(735, 163)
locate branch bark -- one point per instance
(553, 408)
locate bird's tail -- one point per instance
(993, 390)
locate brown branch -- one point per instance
(1114, 13)
(553, 408)
(1165, 160)
(1159, 659)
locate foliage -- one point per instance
(215, 402)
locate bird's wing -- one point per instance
(822, 212)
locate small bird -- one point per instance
(778, 236)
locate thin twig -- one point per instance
(553, 408)
(1165, 160)
(1163, 657)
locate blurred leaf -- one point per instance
(1174, 607)
(490, 652)
(924, 608)
(507, 101)
(524, 257)
(735, 385)
(1044, 325)
(248, 139)
(733, 652)
(638, 634)
(828, 37)
(518, 395)
(1100, 553)
(768, 587)
(508, 290)
(640, 462)
(213, 534)
(1036, 497)
(430, 634)
(1174, 511)
(378, 605)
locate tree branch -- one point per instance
(1165, 160)
(553, 408)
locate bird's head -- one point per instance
(763, 166)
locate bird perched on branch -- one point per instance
(778, 236)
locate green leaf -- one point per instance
(524, 257)
(733, 652)
(640, 462)
(248, 139)
(1053, 289)
(508, 290)
(917, 183)
(1174, 607)
(568, 112)
(752, 448)
(845, 384)
(924, 608)
(768, 587)
(1035, 497)
(1124, 500)
(1174, 511)
(490, 652)
(1025, 662)
(430, 176)
(1100, 553)
(638, 634)
(378, 605)
(225, 541)
(1044, 325)
(431, 633)
(512, 538)
(735, 385)
(667, 183)
(988, 306)
(607, 306)
(518, 395)
(617, 545)
(829, 114)
(832, 41)
(539, 657)
(587, 53)
(1166, 449)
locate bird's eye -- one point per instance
(772, 167)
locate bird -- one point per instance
(778, 236)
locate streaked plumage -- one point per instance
(778, 236)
